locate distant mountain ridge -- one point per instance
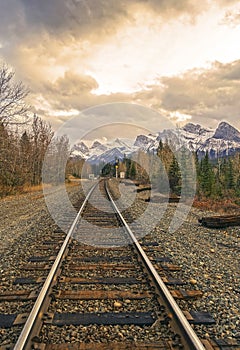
(221, 142)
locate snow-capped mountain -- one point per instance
(191, 136)
(223, 141)
(104, 152)
(97, 145)
(143, 141)
(80, 150)
(227, 132)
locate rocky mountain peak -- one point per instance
(142, 140)
(80, 146)
(96, 144)
(194, 129)
(221, 142)
(227, 132)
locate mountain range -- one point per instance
(220, 142)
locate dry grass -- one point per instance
(31, 189)
(39, 188)
(8, 194)
(19, 191)
(224, 206)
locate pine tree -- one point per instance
(230, 183)
(160, 147)
(174, 176)
(197, 167)
(206, 176)
(132, 171)
(188, 164)
(127, 162)
(108, 170)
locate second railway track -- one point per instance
(103, 290)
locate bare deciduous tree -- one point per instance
(41, 138)
(22, 155)
(13, 108)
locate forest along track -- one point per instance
(100, 294)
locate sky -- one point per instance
(179, 58)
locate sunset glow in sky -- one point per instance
(179, 57)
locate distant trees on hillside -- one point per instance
(182, 173)
(219, 178)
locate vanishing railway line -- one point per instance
(103, 289)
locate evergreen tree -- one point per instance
(132, 171)
(237, 190)
(108, 170)
(206, 176)
(197, 167)
(128, 167)
(230, 183)
(174, 176)
(188, 170)
(160, 147)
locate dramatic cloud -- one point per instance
(88, 18)
(73, 54)
(208, 94)
(232, 18)
(84, 18)
(64, 98)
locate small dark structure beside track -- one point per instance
(162, 199)
(220, 221)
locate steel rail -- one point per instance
(36, 310)
(192, 338)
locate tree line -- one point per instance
(214, 178)
(24, 139)
(178, 172)
(219, 178)
(22, 154)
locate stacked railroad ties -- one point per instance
(95, 293)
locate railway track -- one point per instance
(103, 289)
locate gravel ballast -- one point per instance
(25, 225)
(209, 261)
